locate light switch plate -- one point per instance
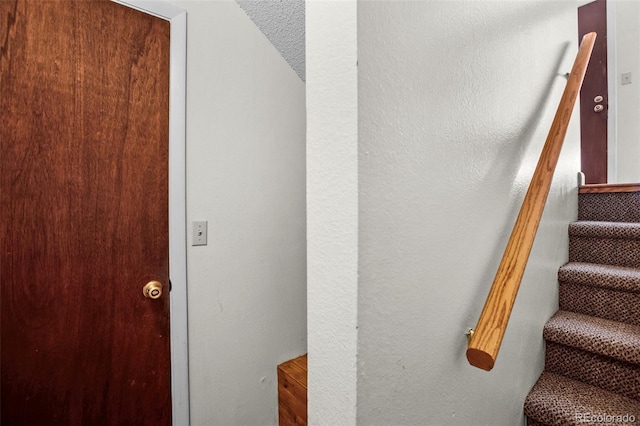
(199, 236)
(626, 78)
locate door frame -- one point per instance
(177, 200)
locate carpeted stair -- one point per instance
(592, 359)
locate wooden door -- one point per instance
(84, 90)
(593, 110)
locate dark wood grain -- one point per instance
(84, 208)
(593, 125)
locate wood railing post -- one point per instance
(486, 338)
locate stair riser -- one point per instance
(596, 370)
(610, 207)
(608, 251)
(616, 278)
(600, 302)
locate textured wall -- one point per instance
(332, 211)
(455, 101)
(246, 176)
(282, 21)
(627, 97)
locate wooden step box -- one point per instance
(292, 392)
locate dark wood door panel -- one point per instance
(84, 207)
(593, 123)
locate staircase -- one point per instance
(592, 359)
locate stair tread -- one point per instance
(559, 400)
(601, 229)
(613, 277)
(615, 339)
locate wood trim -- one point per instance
(609, 187)
(487, 338)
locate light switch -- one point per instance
(626, 78)
(199, 237)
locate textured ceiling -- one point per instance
(282, 21)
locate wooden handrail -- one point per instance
(485, 340)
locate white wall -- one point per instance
(246, 177)
(454, 103)
(626, 58)
(332, 203)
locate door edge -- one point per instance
(177, 201)
(612, 101)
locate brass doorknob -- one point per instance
(152, 289)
